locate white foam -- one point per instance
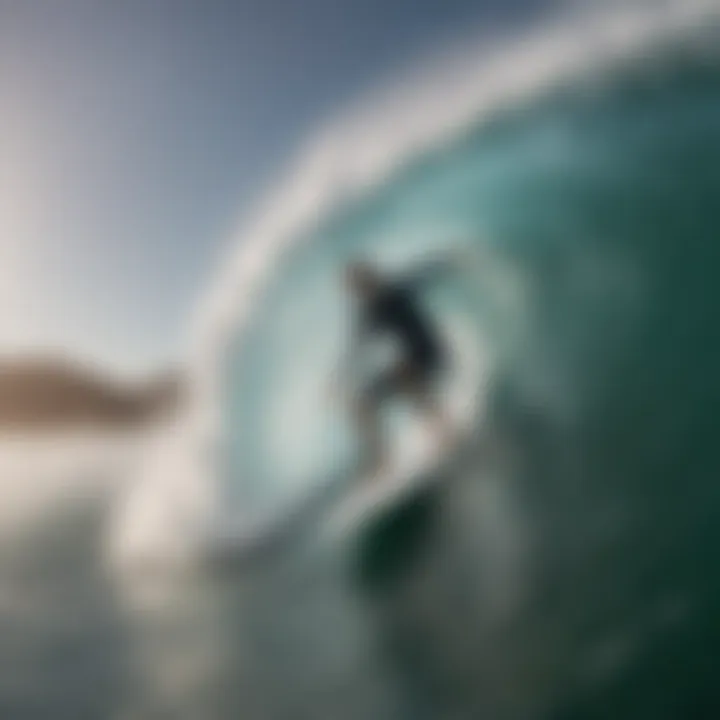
(43, 472)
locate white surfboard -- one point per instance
(373, 494)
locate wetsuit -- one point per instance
(396, 310)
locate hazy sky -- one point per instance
(134, 135)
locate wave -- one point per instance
(420, 144)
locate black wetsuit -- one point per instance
(396, 310)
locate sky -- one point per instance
(135, 136)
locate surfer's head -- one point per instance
(362, 278)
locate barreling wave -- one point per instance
(483, 148)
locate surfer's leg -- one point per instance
(368, 422)
(421, 388)
(438, 419)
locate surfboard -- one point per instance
(379, 493)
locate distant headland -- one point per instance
(44, 393)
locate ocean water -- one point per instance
(564, 568)
(569, 572)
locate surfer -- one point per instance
(390, 305)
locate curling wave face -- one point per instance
(574, 569)
(570, 171)
(554, 290)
